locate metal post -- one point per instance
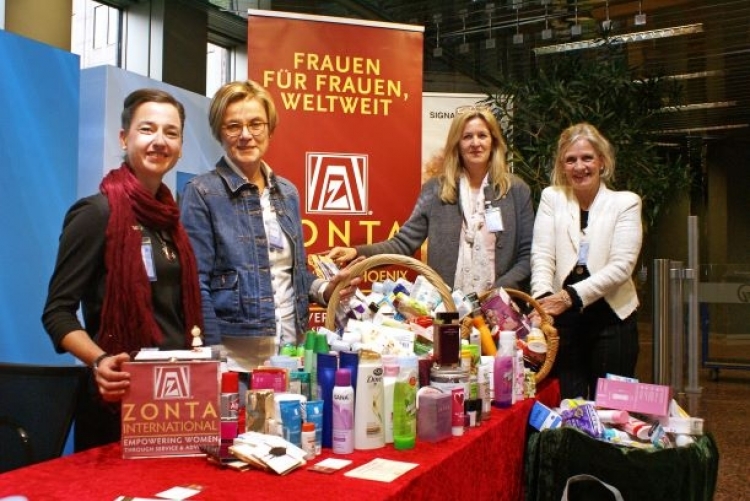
(661, 320)
(691, 276)
(676, 325)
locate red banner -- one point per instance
(349, 98)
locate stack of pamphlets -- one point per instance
(267, 452)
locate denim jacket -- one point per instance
(223, 218)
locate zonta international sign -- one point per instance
(171, 409)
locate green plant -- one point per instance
(597, 86)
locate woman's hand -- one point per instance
(342, 255)
(344, 276)
(556, 303)
(110, 379)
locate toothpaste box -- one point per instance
(544, 418)
(645, 398)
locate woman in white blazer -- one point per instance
(586, 242)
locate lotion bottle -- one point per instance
(369, 407)
(342, 435)
(504, 369)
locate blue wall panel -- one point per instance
(39, 89)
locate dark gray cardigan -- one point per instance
(441, 223)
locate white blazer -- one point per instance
(614, 232)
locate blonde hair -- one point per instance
(497, 172)
(597, 141)
(239, 91)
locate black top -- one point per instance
(79, 277)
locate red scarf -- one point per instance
(127, 320)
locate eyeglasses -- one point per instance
(235, 129)
(473, 108)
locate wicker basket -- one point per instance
(550, 333)
(386, 260)
(369, 263)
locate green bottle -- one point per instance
(405, 403)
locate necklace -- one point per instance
(169, 253)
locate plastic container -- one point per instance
(504, 370)
(308, 439)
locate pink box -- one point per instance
(645, 398)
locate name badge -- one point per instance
(583, 252)
(147, 255)
(275, 235)
(494, 219)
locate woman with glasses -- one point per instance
(245, 226)
(126, 260)
(587, 238)
(476, 216)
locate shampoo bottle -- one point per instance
(405, 403)
(369, 422)
(390, 373)
(503, 371)
(343, 413)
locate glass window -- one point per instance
(217, 68)
(95, 33)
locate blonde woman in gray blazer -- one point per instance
(476, 216)
(586, 243)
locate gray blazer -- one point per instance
(441, 223)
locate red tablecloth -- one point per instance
(485, 463)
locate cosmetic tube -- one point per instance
(637, 428)
(311, 362)
(457, 415)
(608, 416)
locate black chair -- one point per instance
(37, 403)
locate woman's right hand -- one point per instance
(110, 379)
(342, 255)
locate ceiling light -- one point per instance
(576, 29)
(624, 38)
(518, 37)
(607, 23)
(489, 43)
(463, 48)
(546, 32)
(699, 106)
(696, 74)
(640, 18)
(437, 51)
(702, 129)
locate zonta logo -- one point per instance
(336, 183)
(171, 382)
